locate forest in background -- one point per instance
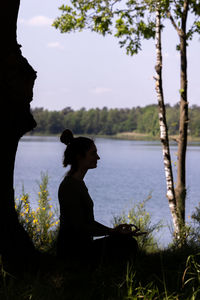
(112, 121)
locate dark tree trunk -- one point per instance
(16, 85)
(183, 128)
(180, 189)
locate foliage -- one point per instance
(127, 21)
(130, 21)
(41, 223)
(112, 121)
(142, 219)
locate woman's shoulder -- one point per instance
(70, 182)
(70, 188)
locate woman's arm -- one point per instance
(99, 229)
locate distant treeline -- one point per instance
(112, 121)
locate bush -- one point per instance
(142, 219)
(42, 223)
(193, 229)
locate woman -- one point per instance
(77, 224)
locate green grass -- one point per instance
(167, 274)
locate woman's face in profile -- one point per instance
(89, 161)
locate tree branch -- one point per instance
(174, 23)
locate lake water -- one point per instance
(127, 172)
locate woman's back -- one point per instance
(76, 214)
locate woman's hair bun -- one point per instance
(66, 137)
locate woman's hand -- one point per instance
(125, 229)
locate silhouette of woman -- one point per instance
(77, 224)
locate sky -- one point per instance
(84, 69)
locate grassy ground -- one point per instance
(149, 137)
(155, 274)
(161, 275)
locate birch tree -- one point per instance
(163, 126)
(178, 12)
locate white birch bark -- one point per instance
(163, 129)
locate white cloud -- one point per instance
(100, 90)
(37, 21)
(55, 45)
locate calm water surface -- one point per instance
(127, 172)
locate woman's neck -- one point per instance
(79, 174)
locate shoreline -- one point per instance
(132, 136)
